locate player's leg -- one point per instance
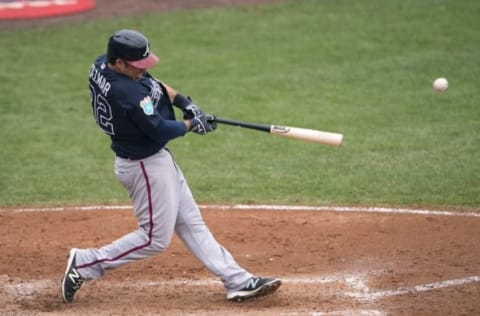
(193, 231)
(151, 186)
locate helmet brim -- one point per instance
(145, 63)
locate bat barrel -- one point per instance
(310, 135)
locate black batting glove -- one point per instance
(211, 120)
(203, 124)
(191, 111)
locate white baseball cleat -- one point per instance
(255, 287)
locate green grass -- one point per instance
(362, 68)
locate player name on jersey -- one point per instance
(100, 80)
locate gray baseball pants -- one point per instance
(162, 203)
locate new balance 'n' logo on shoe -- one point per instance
(254, 288)
(72, 281)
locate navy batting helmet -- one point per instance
(131, 46)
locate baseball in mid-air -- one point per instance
(440, 84)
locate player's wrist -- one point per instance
(181, 101)
(188, 125)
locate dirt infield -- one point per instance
(331, 263)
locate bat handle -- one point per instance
(259, 127)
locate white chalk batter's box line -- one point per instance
(234, 207)
(356, 284)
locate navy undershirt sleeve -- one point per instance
(156, 127)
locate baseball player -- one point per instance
(136, 111)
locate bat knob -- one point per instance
(211, 118)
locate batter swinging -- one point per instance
(136, 111)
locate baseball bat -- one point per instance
(311, 135)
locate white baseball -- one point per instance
(440, 84)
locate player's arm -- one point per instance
(157, 127)
(176, 98)
(185, 104)
(170, 91)
(194, 117)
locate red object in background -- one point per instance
(14, 10)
